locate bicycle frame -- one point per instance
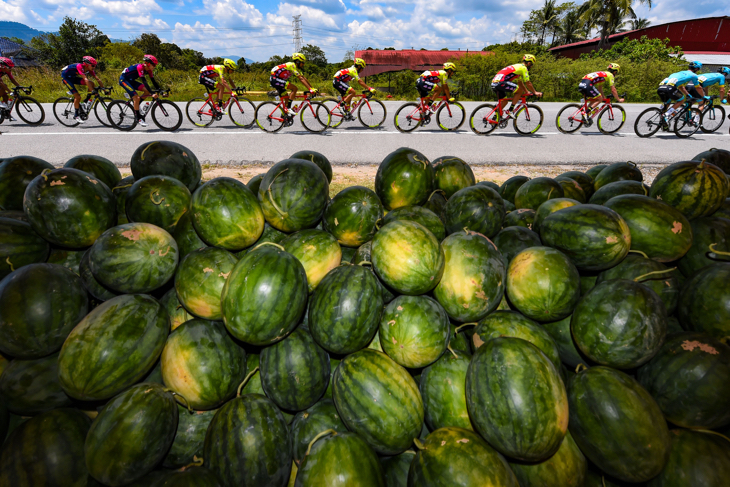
(522, 104)
(209, 103)
(281, 108)
(362, 98)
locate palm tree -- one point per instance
(608, 15)
(548, 18)
(637, 24)
(571, 29)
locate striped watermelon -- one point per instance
(549, 207)
(698, 457)
(15, 175)
(619, 171)
(352, 215)
(452, 174)
(405, 177)
(19, 246)
(476, 208)
(30, 387)
(159, 200)
(317, 250)
(618, 188)
(694, 188)
(189, 437)
(308, 424)
(99, 167)
(567, 468)
(162, 157)
(200, 278)
(418, 214)
(443, 389)
(524, 217)
(509, 188)
(536, 191)
(704, 302)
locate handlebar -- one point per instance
(163, 93)
(25, 89)
(240, 91)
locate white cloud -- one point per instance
(12, 11)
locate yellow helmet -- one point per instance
(614, 67)
(298, 56)
(529, 58)
(359, 62)
(450, 66)
(230, 64)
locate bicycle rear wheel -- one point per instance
(167, 115)
(310, 117)
(121, 115)
(242, 112)
(63, 110)
(372, 113)
(451, 116)
(569, 118)
(199, 112)
(30, 111)
(484, 119)
(408, 117)
(611, 119)
(528, 120)
(712, 119)
(688, 122)
(648, 122)
(269, 117)
(102, 113)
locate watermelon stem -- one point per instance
(713, 433)
(44, 172)
(365, 262)
(418, 444)
(456, 330)
(197, 462)
(7, 261)
(640, 278)
(434, 192)
(639, 252)
(269, 243)
(324, 433)
(122, 187)
(631, 163)
(579, 369)
(448, 347)
(377, 223)
(271, 197)
(152, 197)
(250, 374)
(187, 404)
(718, 252)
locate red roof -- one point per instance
(416, 60)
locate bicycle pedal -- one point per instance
(502, 124)
(588, 122)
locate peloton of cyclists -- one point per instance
(434, 83)
(514, 79)
(6, 69)
(134, 79)
(78, 74)
(341, 83)
(591, 86)
(673, 87)
(217, 77)
(707, 80)
(279, 80)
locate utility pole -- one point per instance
(297, 32)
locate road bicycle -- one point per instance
(272, 116)
(449, 116)
(610, 117)
(63, 108)
(166, 114)
(241, 110)
(713, 116)
(527, 118)
(684, 122)
(370, 112)
(27, 108)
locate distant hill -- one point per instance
(16, 29)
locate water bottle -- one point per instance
(126, 95)
(277, 98)
(147, 107)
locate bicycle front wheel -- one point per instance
(310, 117)
(451, 116)
(242, 112)
(336, 117)
(372, 113)
(528, 120)
(102, 113)
(569, 118)
(712, 119)
(63, 110)
(484, 119)
(121, 115)
(269, 117)
(648, 122)
(408, 118)
(611, 119)
(30, 111)
(167, 115)
(199, 112)
(688, 122)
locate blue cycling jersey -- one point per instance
(708, 79)
(680, 79)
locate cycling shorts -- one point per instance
(424, 87)
(669, 93)
(130, 86)
(280, 85)
(207, 81)
(588, 89)
(341, 86)
(692, 91)
(503, 88)
(70, 81)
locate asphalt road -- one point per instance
(224, 143)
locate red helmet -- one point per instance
(6, 62)
(149, 58)
(89, 60)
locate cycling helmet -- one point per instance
(614, 67)
(230, 64)
(529, 58)
(298, 56)
(725, 70)
(149, 58)
(695, 65)
(8, 63)
(450, 66)
(89, 60)
(360, 63)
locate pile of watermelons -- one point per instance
(160, 331)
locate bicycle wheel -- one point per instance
(269, 117)
(121, 115)
(30, 111)
(688, 121)
(451, 116)
(102, 114)
(310, 120)
(335, 111)
(484, 119)
(611, 119)
(167, 115)
(648, 122)
(372, 113)
(569, 118)
(408, 118)
(63, 110)
(712, 119)
(199, 112)
(242, 112)
(528, 120)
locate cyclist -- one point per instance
(279, 79)
(76, 74)
(673, 87)
(212, 77)
(342, 79)
(591, 86)
(6, 69)
(709, 79)
(433, 83)
(514, 79)
(129, 81)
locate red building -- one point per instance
(384, 61)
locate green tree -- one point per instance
(571, 28)
(148, 44)
(637, 24)
(16, 40)
(118, 55)
(609, 15)
(74, 40)
(315, 55)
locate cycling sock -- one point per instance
(139, 115)
(76, 112)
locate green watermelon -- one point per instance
(69, 208)
(443, 389)
(421, 215)
(396, 468)
(509, 206)
(348, 253)
(307, 424)
(253, 385)
(571, 189)
(378, 400)
(524, 217)
(588, 281)
(489, 184)
(619, 171)
(476, 208)
(39, 306)
(186, 237)
(695, 189)
(543, 284)
(30, 387)
(706, 231)
(512, 240)
(472, 284)
(165, 158)
(113, 347)
(99, 167)
(345, 309)
(584, 180)
(405, 177)
(452, 174)
(690, 380)
(203, 364)
(618, 188)
(159, 200)
(14, 215)
(595, 170)
(460, 339)
(192, 477)
(15, 175)
(509, 188)
(363, 257)
(293, 195)
(120, 191)
(70, 259)
(187, 446)
(270, 234)
(407, 257)
(605, 400)
(436, 203)
(317, 250)
(658, 230)
(536, 191)
(560, 331)
(255, 183)
(227, 214)
(455, 456)
(549, 207)
(319, 159)
(131, 435)
(155, 478)
(200, 278)
(46, 450)
(718, 157)
(567, 468)
(176, 311)
(375, 343)
(704, 301)
(134, 258)
(695, 458)
(352, 215)
(19, 246)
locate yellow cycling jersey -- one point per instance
(347, 74)
(511, 72)
(213, 70)
(600, 77)
(435, 77)
(284, 71)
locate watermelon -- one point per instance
(30, 387)
(189, 438)
(46, 450)
(396, 468)
(362, 257)
(293, 195)
(155, 478)
(718, 157)
(255, 183)
(698, 457)
(248, 443)
(524, 217)
(134, 258)
(706, 231)
(113, 347)
(19, 246)
(307, 424)
(606, 400)
(253, 385)
(15, 175)
(414, 330)
(318, 252)
(658, 230)
(356, 465)
(543, 284)
(378, 400)
(549, 207)
(443, 389)
(348, 253)
(94, 287)
(704, 301)
(690, 380)
(176, 311)
(595, 170)
(159, 200)
(186, 237)
(537, 191)
(489, 184)
(69, 208)
(407, 257)
(295, 371)
(571, 189)
(456, 456)
(476, 208)
(345, 309)
(619, 171)
(120, 191)
(14, 215)
(39, 306)
(421, 215)
(460, 339)
(452, 174)
(227, 214)
(436, 203)
(202, 364)
(405, 177)
(70, 259)
(560, 332)
(165, 158)
(319, 159)
(131, 435)
(567, 468)
(270, 234)
(192, 477)
(620, 323)
(512, 240)
(695, 189)
(99, 167)
(583, 179)
(610, 190)
(509, 188)
(352, 215)
(375, 343)
(200, 278)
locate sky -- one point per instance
(258, 29)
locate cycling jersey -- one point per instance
(347, 74)
(75, 71)
(600, 77)
(136, 71)
(212, 70)
(434, 77)
(680, 79)
(284, 71)
(130, 75)
(708, 79)
(509, 73)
